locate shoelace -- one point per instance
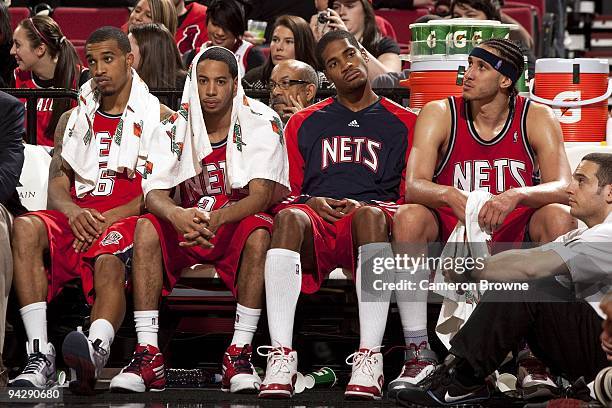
(242, 361)
(36, 361)
(98, 348)
(363, 361)
(137, 360)
(279, 360)
(535, 368)
(413, 368)
(415, 365)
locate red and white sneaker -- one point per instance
(420, 362)
(144, 373)
(281, 372)
(534, 377)
(239, 375)
(367, 378)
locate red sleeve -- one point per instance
(408, 118)
(296, 160)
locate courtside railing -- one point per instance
(399, 95)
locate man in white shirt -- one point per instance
(565, 335)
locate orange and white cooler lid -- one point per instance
(566, 66)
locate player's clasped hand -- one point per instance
(86, 224)
(327, 208)
(348, 205)
(495, 211)
(192, 223)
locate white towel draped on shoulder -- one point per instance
(466, 240)
(139, 121)
(255, 143)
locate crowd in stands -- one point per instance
(294, 185)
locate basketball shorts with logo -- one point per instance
(63, 264)
(229, 242)
(333, 244)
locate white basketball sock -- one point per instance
(412, 306)
(245, 325)
(283, 284)
(147, 326)
(372, 314)
(34, 318)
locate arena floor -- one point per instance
(214, 397)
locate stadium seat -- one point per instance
(524, 15)
(385, 27)
(78, 23)
(34, 178)
(540, 5)
(17, 14)
(80, 49)
(401, 20)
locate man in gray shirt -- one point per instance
(559, 315)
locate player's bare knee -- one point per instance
(558, 221)
(410, 221)
(289, 222)
(369, 216)
(26, 234)
(369, 224)
(145, 236)
(109, 271)
(550, 222)
(257, 244)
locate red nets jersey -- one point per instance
(191, 33)
(471, 163)
(44, 107)
(113, 190)
(210, 189)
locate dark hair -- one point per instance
(6, 34)
(489, 7)
(303, 41)
(331, 36)
(160, 60)
(6, 42)
(229, 15)
(107, 33)
(604, 172)
(510, 52)
(223, 55)
(371, 34)
(44, 30)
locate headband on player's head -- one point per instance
(499, 64)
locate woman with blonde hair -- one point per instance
(154, 11)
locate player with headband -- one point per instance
(490, 139)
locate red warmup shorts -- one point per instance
(65, 265)
(228, 243)
(333, 244)
(512, 230)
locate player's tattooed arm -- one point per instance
(85, 223)
(260, 198)
(58, 167)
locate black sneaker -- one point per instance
(441, 389)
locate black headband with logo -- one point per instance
(499, 64)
